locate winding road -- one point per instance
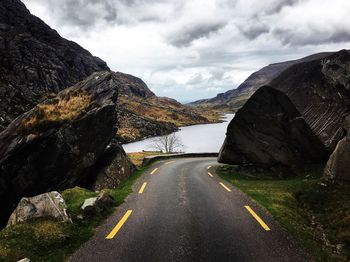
(181, 210)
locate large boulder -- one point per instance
(53, 146)
(112, 168)
(269, 131)
(35, 61)
(45, 205)
(338, 165)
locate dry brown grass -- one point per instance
(57, 110)
(137, 157)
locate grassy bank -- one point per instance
(316, 214)
(52, 240)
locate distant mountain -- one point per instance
(234, 99)
(35, 61)
(318, 85)
(143, 114)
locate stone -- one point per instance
(338, 165)
(24, 260)
(268, 131)
(45, 205)
(97, 204)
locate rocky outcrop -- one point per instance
(133, 86)
(35, 61)
(45, 205)
(338, 165)
(112, 168)
(53, 146)
(269, 131)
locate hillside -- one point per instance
(35, 61)
(143, 114)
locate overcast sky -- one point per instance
(192, 49)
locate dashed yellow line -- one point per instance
(257, 218)
(167, 163)
(154, 170)
(208, 167)
(210, 174)
(119, 225)
(142, 188)
(223, 185)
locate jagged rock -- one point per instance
(45, 205)
(53, 146)
(35, 61)
(97, 204)
(268, 131)
(338, 165)
(113, 167)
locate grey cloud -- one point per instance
(280, 5)
(289, 37)
(253, 28)
(195, 79)
(185, 36)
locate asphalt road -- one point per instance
(184, 214)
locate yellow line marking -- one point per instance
(154, 170)
(210, 174)
(119, 225)
(167, 163)
(222, 184)
(261, 222)
(142, 188)
(208, 167)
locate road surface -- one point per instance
(182, 211)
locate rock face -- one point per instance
(338, 165)
(112, 168)
(269, 131)
(45, 205)
(52, 146)
(35, 61)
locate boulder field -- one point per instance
(268, 131)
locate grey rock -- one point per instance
(268, 131)
(113, 167)
(24, 260)
(338, 165)
(45, 205)
(97, 204)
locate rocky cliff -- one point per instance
(35, 61)
(54, 145)
(268, 131)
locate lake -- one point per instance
(196, 139)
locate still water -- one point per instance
(196, 139)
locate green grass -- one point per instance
(318, 216)
(51, 240)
